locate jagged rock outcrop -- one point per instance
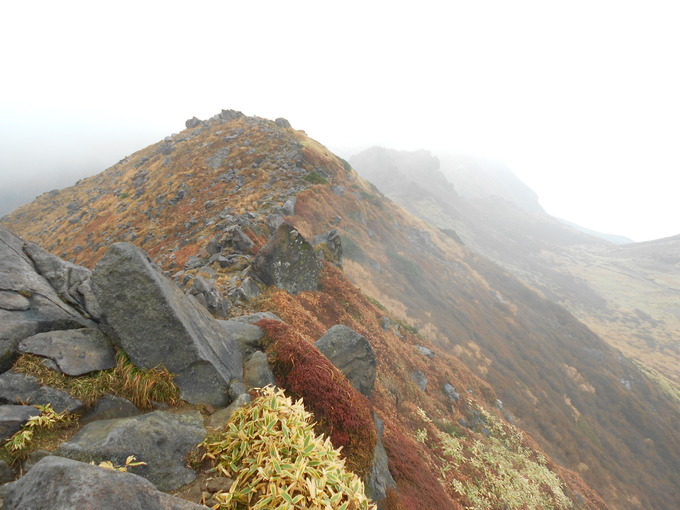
(156, 324)
(451, 392)
(75, 351)
(28, 303)
(160, 439)
(56, 483)
(287, 261)
(71, 282)
(352, 354)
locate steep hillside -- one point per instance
(627, 294)
(591, 409)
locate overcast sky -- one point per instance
(580, 99)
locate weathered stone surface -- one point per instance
(420, 379)
(257, 373)
(235, 240)
(222, 416)
(249, 288)
(71, 282)
(22, 388)
(288, 208)
(425, 351)
(110, 407)
(6, 475)
(287, 261)
(281, 122)
(31, 305)
(156, 324)
(352, 354)
(12, 417)
(379, 479)
(256, 317)
(329, 246)
(210, 297)
(56, 483)
(247, 336)
(13, 301)
(451, 392)
(75, 351)
(160, 439)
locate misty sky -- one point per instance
(581, 99)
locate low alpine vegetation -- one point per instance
(277, 461)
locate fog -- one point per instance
(579, 99)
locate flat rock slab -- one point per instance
(75, 351)
(18, 388)
(157, 325)
(352, 354)
(13, 301)
(246, 335)
(160, 439)
(110, 407)
(12, 417)
(56, 483)
(287, 261)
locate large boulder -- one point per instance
(75, 351)
(352, 354)
(156, 324)
(160, 439)
(287, 261)
(56, 483)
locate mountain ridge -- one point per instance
(177, 197)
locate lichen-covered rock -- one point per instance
(287, 261)
(156, 324)
(160, 439)
(75, 351)
(352, 354)
(56, 483)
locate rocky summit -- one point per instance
(234, 318)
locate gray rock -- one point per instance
(281, 122)
(210, 297)
(451, 392)
(236, 389)
(56, 483)
(228, 115)
(274, 220)
(30, 304)
(329, 247)
(75, 351)
(6, 475)
(420, 379)
(222, 416)
(71, 282)
(13, 301)
(425, 351)
(156, 324)
(236, 240)
(248, 336)
(110, 407)
(160, 439)
(352, 354)
(338, 190)
(22, 388)
(380, 479)
(192, 122)
(287, 261)
(256, 371)
(288, 208)
(12, 417)
(250, 289)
